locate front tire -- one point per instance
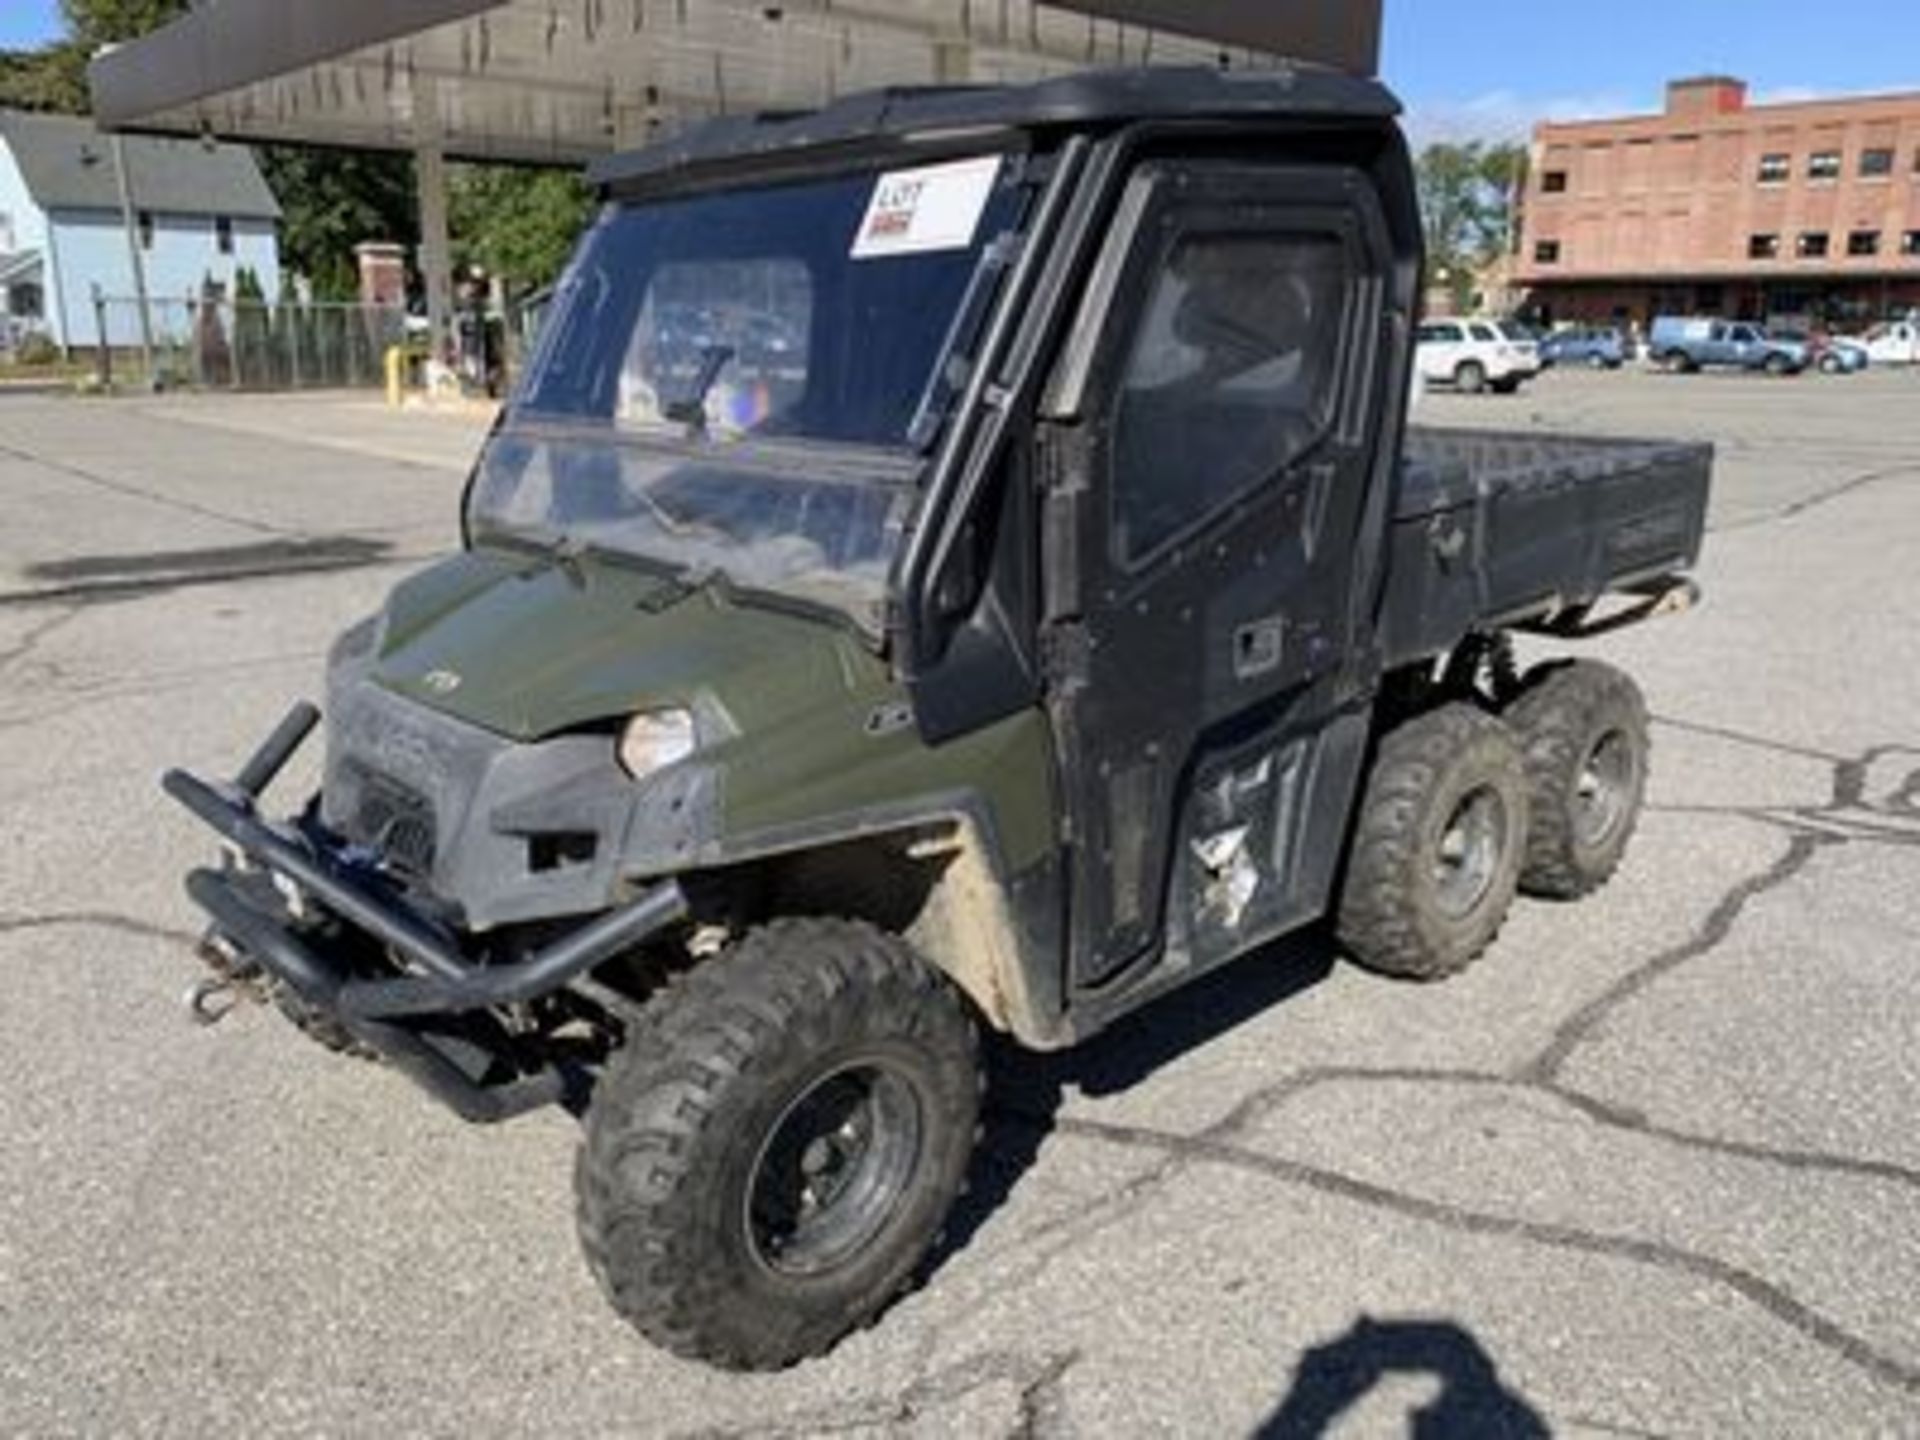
(1436, 854)
(773, 1152)
(1583, 728)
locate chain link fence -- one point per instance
(244, 345)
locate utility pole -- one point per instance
(139, 264)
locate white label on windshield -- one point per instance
(916, 212)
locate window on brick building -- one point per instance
(1775, 169)
(1824, 165)
(1763, 247)
(1546, 252)
(1910, 243)
(1553, 182)
(1863, 242)
(1876, 164)
(1813, 245)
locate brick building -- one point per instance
(1806, 211)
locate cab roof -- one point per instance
(1094, 100)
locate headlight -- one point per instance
(656, 740)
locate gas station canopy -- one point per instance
(566, 80)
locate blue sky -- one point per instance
(1489, 68)
(25, 23)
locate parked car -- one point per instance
(1598, 349)
(1476, 355)
(1841, 355)
(1685, 343)
(1897, 343)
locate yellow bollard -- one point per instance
(396, 361)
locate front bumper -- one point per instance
(427, 1009)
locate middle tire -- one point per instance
(1436, 853)
(774, 1150)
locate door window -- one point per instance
(1231, 378)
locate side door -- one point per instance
(1209, 439)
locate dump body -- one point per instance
(1501, 529)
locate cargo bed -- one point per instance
(1497, 530)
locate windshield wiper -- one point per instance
(690, 409)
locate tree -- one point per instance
(54, 77)
(1468, 203)
(516, 223)
(331, 201)
(39, 79)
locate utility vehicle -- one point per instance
(955, 563)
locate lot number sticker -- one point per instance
(917, 212)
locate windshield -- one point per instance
(747, 382)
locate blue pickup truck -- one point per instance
(1681, 344)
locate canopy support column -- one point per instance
(436, 250)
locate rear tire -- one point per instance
(1470, 378)
(1584, 731)
(773, 1152)
(1437, 850)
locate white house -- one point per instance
(201, 211)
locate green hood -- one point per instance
(528, 648)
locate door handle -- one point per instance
(1259, 647)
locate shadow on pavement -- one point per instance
(1026, 1089)
(266, 555)
(1334, 1377)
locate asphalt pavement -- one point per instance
(1649, 1169)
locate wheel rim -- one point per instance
(1604, 790)
(1472, 844)
(832, 1170)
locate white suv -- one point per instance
(1475, 355)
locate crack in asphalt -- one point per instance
(31, 638)
(137, 492)
(1752, 741)
(1839, 490)
(1577, 1028)
(1773, 1299)
(96, 919)
(78, 698)
(1037, 1381)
